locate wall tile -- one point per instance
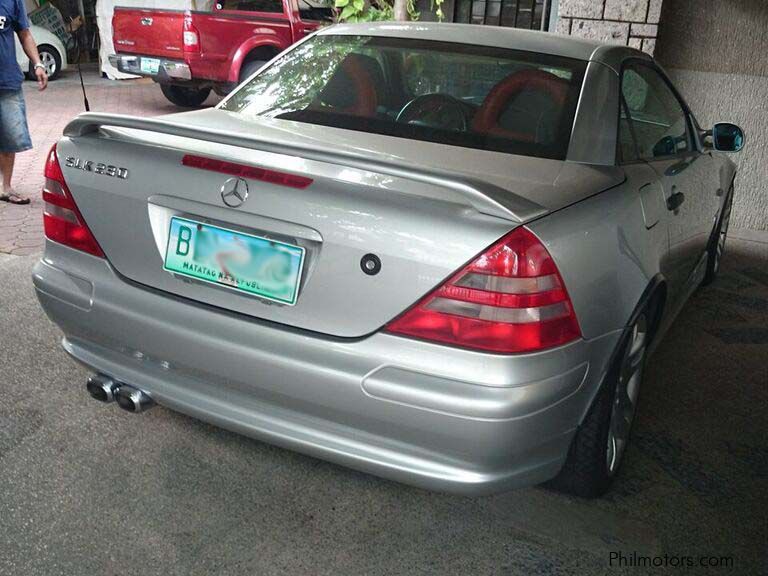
(626, 10)
(563, 26)
(581, 8)
(601, 31)
(646, 30)
(649, 45)
(654, 11)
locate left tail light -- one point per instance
(191, 35)
(62, 220)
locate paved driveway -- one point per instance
(48, 112)
(88, 489)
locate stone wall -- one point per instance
(629, 22)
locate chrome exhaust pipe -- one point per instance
(132, 399)
(102, 388)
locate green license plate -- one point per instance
(244, 262)
(150, 65)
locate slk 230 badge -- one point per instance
(97, 168)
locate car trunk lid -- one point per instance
(367, 196)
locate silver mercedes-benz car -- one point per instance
(436, 253)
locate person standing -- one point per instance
(14, 132)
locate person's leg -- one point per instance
(6, 169)
(14, 138)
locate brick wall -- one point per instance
(630, 22)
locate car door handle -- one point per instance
(674, 201)
(719, 192)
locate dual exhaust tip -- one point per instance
(105, 389)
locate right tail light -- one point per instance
(190, 35)
(510, 299)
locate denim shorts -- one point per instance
(14, 132)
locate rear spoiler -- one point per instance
(483, 196)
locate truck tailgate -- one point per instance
(151, 32)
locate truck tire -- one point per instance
(249, 68)
(185, 97)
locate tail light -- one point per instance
(510, 299)
(251, 172)
(191, 35)
(62, 221)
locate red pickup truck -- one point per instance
(190, 53)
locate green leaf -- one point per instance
(348, 12)
(359, 5)
(341, 3)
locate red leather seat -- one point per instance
(487, 119)
(353, 87)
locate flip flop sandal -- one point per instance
(14, 198)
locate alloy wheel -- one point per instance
(49, 62)
(627, 392)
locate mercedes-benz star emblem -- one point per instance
(234, 192)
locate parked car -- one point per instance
(437, 253)
(52, 53)
(191, 53)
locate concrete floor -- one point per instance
(88, 489)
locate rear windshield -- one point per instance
(456, 94)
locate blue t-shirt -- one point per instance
(13, 19)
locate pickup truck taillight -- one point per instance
(191, 38)
(509, 299)
(62, 221)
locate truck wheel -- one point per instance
(598, 447)
(249, 68)
(223, 90)
(185, 97)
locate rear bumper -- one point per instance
(440, 418)
(167, 71)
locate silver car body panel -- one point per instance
(390, 202)
(321, 377)
(451, 420)
(492, 183)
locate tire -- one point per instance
(249, 68)
(597, 450)
(51, 59)
(223, 90)
(717, 243)
(185, 97)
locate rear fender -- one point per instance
(654, 295)
(266, 39)
(606, 255)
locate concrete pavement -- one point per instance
(88, 489)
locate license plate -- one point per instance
(150, 65)
(259, 266)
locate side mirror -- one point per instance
(727, 137)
